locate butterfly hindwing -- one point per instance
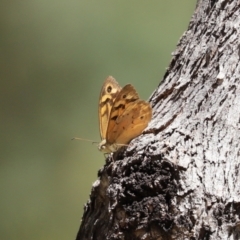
(131, 122)
(124, 99)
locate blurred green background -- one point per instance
(54, 57)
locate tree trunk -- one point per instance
(180, 179)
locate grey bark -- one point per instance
(180, 179)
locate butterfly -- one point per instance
(122, 115)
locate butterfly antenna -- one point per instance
(83, 139)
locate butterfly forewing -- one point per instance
(109, 92)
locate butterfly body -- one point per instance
(122, 115)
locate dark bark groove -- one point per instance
(180, 179)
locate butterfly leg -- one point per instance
(109, 156)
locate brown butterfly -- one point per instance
(122, 115)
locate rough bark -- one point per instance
(180, 179)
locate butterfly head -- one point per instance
(104, 147)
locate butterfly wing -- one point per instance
(108, 94)
(129, 116)
(125, 97)
(132, 122)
